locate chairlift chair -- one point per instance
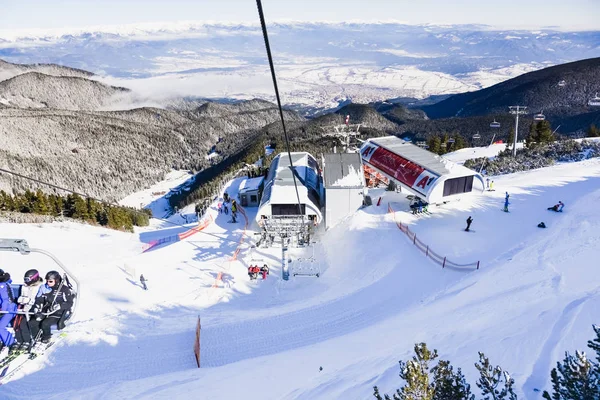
(476, 136)
(451, 140)
(539, 117)
(495, 124)
(562, 83)
(595, 102)
(21, 246)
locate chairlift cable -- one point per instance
(287, 142)
(104, 201)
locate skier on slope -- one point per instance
(7, 304)
(506, 203)
(30, 291)
(57, 302)
(143, 282)
(469, 221)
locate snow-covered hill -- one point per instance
(37, 90)
(9, 70)
(535, 296)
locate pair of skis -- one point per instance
(20, 359)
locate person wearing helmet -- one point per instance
(30, 291)
(52, 308)
(9, 306)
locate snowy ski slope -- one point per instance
(534, 297)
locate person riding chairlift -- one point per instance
(52, 308)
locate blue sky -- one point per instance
(42, 14)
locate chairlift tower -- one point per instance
(517, 110)
(345, 131)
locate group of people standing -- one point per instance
(254, 270)
(35, 310)
(222, 206)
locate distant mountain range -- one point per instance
(320, 65)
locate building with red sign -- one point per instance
(423, 173)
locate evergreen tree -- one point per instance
(574, 378)
(434, 143)
(6, 202)
(76, 207)
(40, 204)
(416, 374)
(449, 384)
(490, 381)
(510, 139)
(459, 142)
(594, 344)
(593, 131)
(378, 396)
(531, 138)
(543, 133)
(55, 205)
(445, 147)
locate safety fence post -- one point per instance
(197, 342)
(477, 264)
(444, 264)
(415, 239)
(427, 252)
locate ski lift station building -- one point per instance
(279, 194)
(249, 191)
(421, 172)
(344, 184)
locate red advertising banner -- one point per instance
(399, 168)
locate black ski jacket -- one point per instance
(64, 297)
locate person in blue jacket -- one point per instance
(7, 304)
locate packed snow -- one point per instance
(354, 178)
(535, 296)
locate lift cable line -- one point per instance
(106, 202)
(287, 142)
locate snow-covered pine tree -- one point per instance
(574, 378)
(416, 374)
(385, 396)
(449, 384)
(594, 344)
(490, 381)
